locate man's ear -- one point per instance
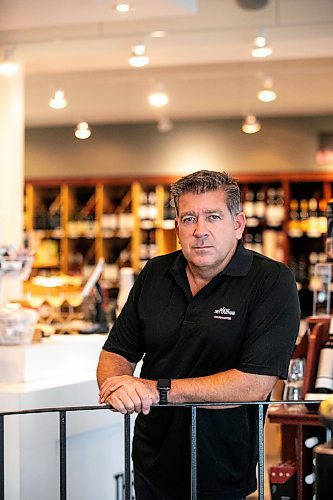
(239, 223)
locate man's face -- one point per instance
(207, 232)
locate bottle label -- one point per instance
(324, 378)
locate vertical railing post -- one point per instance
(63, 464)
(261, 450)
(2, 457)
(194, 453)
(127, 442)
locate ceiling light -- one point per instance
(158, 99)
(164, 124)
(123, 7)
(58, 101)
(82, 131)
(261, 49)
(267, 94)
(8, 68)
(250, 125)
(260, 41)
(139, 49)
(139, 59)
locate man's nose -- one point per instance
(200, 229)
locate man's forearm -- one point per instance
(110, 365)
(128, 394)
(232, 385)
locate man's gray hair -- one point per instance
(204, 181)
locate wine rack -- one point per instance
(122, 220)
(128, 220)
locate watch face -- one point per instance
(164, 384)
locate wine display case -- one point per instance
(129, 220)
(74, 223)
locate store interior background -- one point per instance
(205, 65)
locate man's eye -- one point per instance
(188, 220)
(215, 217)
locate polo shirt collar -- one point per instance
(239, 265)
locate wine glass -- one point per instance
(35, 301)
(293, 386)
(56, 302)
(74, 300)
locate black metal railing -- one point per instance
(62, 411)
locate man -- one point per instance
(218, 320)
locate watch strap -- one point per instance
(163, 385)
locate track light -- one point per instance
(250, 124)
(82, 131)
(58, 101)
(158, 97)
(138, 58)
(261, 49)
(267, 94)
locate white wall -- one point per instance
(283, 144)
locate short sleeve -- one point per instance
(125, 337)
(273, 326)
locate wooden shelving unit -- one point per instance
(99, 218)
(109, 213)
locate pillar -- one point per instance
(11, 169)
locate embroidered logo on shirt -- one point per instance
(224, 313)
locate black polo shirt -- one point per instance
(247, 317)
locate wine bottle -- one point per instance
(329, 237)
(324, 380)
(294, 225)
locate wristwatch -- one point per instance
(163, 385)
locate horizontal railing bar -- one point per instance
(175, 405)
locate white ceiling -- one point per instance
(203, 62)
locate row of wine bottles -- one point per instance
(261, 208)
(307, 217)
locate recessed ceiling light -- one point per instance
(123, 7)
(266, 95)
(158, 99)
